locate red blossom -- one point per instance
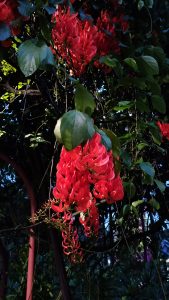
(78, 42)
(9, 14)
(90, 221)
(85, 174)
(164, 128)
(8, 11)
(73, 39)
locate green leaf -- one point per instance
(147, 168)
(2, 132)
(155, 133)
(148, 65)
(112, 63)
(160, 185)
(115, 142)
(141, 146)
(127, 137)
(106, 141)
(25, 8)
(147, 179)
(76, 127)
(140, 4)
(142, 104)
(126, 158)
(149, 3)
(131, 63)
(122, 105)
(126, 209)
(130, 189)
(154, 203)
(156, 52)
(5, 32)
(84, 100)
(32, 54)
(159, 103)
(137, 203)
(153, 86)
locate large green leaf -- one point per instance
(84, 100)
(158, 103)
(147, 168)
(148, 65)
(76, 127)
(32, 54)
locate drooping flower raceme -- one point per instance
(85, 175)
(78, 42)
(73, 39)
(9, 15)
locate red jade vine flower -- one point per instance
(78, 42)
(73, 39)
(84, 175)
(9, 15)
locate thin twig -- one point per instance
(19, 227)
(29, 92)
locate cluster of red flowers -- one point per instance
(8, 11)
(78, 42)
(8, 15)
(164, 128)
(85, 174)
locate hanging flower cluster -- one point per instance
(8, 11)
(164, 128)
(8, 15)
(84, 175)
(78, 42)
